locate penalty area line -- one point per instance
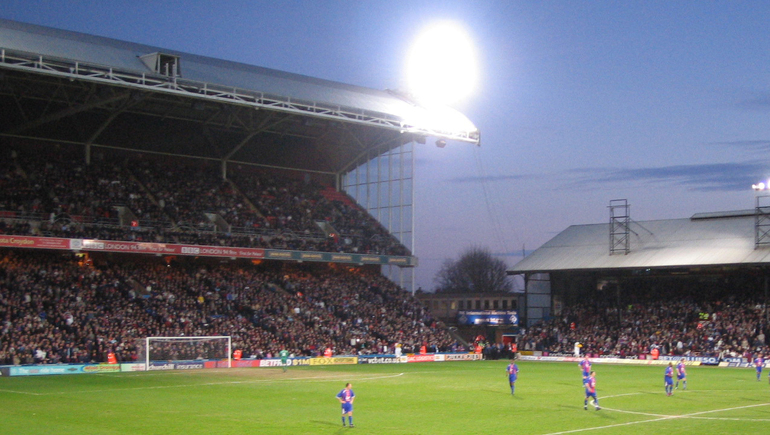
(208, 384)
(694, 415)
(620, 395)
(21, 392)
(609, 426)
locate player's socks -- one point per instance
(343, 421)
(350, 420)
(684, 385)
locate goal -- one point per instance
(185, 349)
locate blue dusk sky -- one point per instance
(665, 104)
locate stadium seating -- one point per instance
(50, 191)
(61, 307)
(702, 325)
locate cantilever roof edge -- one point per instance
(53, 51)
(724, 239)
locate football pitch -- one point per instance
(422, 398)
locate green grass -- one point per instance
(428, 398)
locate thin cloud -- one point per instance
(492, 178)
(710, 177)
(756, 145)
(759, 101)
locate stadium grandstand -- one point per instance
(696, 286)
(236, 132)
(145, 191)
(149, 192)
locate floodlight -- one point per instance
(441, 66)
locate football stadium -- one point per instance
(194, 245)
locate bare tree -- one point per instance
(476, 271)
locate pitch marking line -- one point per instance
(660, 417)
(205, 384)
(21, 392)
(620, 395)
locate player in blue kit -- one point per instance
(681, 375)
(346, 397)
(590, 385)
(668, 379)
(513, 374)
(759, 362)
(585, 366)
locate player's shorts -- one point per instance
(668, 381)
(511, 378)
(680, 377)
(589, 394)
(759, 369)
(347, 407)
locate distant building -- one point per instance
(447, 306)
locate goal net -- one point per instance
(185, 349)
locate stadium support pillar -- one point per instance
(537, 297)
(617, 303)
(767, 314)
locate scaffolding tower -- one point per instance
(620, 216)
(762, 221)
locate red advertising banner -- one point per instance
(170, 249)
(34, 242)
(133, 247)
(94, 245)
(420, 358)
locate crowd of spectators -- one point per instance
(66, 308)
(296, 205)
(711, 325)
(51, 191)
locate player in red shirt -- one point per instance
(591, 391)
(346, 397)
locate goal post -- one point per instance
(186, 348)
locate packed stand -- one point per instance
(52, 192)
(62, 308)
(714, 325)
(294, 205)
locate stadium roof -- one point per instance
(705, 240)
(107, 86)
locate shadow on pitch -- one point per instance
(327, 423)
(341, 429)
(589, 410)
(496, 391)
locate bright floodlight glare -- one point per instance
(441, 67)
(438, 118)
(759, 186)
